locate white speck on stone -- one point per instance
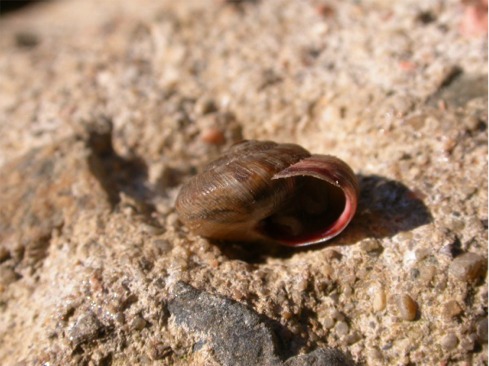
(410, 258)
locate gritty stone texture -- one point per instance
(320, 357)
(106, 108)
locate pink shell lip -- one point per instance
(337, 173)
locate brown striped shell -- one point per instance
(269, 192)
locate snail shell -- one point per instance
(269, 192)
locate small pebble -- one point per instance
(332, 254)
(341, 328)
(407, 307)
(327, 270)
(138, 323)
(449, 341)
(421, 254)
(481, 329)
(467, 344)
(426, 274)
(26, 39)
(451, 309)
(347, 291)
(337, 315)
(85, 329)
(471, 122)
(379, 299)
(287, 315)
(372, 246)
(4, 254)
(7, 275)
(151, 229)
(163, 246)
(328, 323)
(467, 267)
(375, 354)
(172, 220)
(213, 136)
(205, 106)
(353, 338)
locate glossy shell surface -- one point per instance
(268, 192)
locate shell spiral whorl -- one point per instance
(269, 192)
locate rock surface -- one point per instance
(239, 336)
(106, 108)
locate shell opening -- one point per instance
(317, 213)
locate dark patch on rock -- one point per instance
(426, 17)
(237, 334)
(36, 191)
(26, 39)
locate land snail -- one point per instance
(262, 191)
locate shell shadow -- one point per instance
(386, 207)
(117, 174)
(11, 6)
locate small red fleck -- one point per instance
(406, 65)
(325, 10)
(213, 136)
(442, 105)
